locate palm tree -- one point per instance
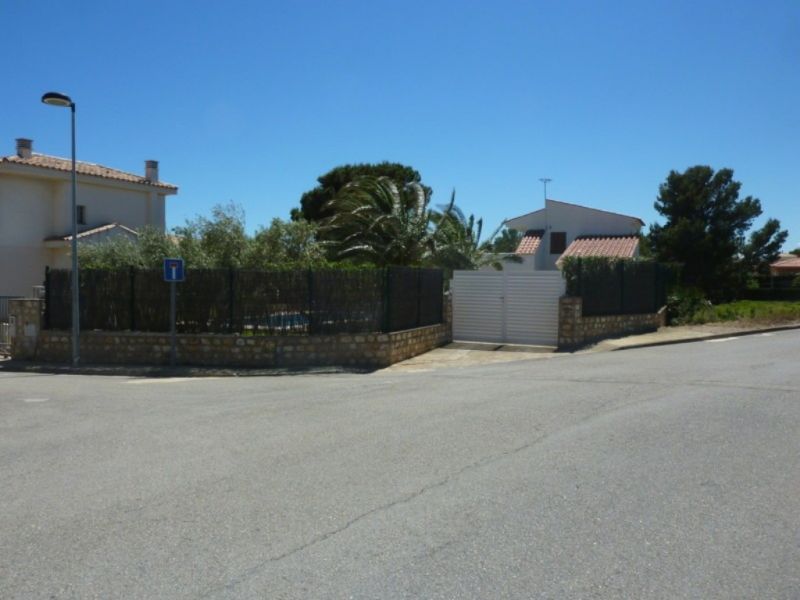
(375, 221)
(457, 241)
(378, 222)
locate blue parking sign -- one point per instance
(173, 269)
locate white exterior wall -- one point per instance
(34, 207)
(27, 214)
(573, 220)
(105, 205)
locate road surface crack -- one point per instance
(487, 460)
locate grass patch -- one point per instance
(748, 310)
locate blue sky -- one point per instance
(251, 101)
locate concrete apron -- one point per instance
(470, 354)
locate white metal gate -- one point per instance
(507, 307)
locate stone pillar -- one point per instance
(448, 316)
(25, 323)
(570, 327)
(661, 317)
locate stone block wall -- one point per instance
(367, 350)
(575, 330)
(25, 326)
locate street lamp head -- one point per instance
(56, 99)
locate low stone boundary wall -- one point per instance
(367, 350)
(24, 327)
(575, 330)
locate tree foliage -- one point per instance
(373, 220)
(114, 253)
(706, 224)
(506, 241)
(764, 246)
(216, 242)
(457, 241)
(286, 244)
(220, 241)
(316, 204)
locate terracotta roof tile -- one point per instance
(90, 232)
(787, 262)
(617, 246)
(56, 163)
(529, 243)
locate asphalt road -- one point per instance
(669, 472)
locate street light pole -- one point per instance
(56, 99)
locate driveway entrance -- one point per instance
(506, 307)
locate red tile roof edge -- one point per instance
(90, 232)
(57, 163)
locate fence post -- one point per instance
(310, 310)
(132, 307)
(441, 297)
(656, 286)
(387, 300)
(231, 275)
(47, 290)
(419, 297)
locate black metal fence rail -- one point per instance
(250, 302)
(619, 287)
(778, 282)
(773, 287)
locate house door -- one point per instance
(506, 307)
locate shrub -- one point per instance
(688, 305)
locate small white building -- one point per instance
(561, 229)
(35, 211)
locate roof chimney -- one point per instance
(151, 170)
(24, 147)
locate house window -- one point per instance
(558, 242)
(81, 214)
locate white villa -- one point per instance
(561, 229)
(35, 211)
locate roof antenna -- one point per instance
(545, 181)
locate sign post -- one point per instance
(173, 273)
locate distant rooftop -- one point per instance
(25, 156)
(578, 206)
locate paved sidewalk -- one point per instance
(472, 354)
(688, 333)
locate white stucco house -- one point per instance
(35, 211)
(561, 229)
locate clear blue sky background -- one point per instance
(251, 101)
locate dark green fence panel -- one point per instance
(775, 294)
(616, 287)
(251, 302)
(151, 301)
(347, 301)
(271, 302)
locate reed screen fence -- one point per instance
(618, 287)
(250, 302)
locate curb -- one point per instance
(158, 372)
(715, 336)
